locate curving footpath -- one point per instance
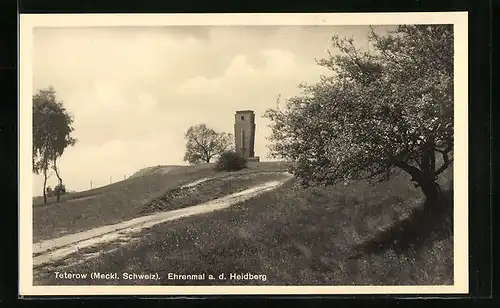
(52, 250)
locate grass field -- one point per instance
(154, 176)
(215, 188)
(127, 199)
(344, 235)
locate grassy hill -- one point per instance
(146, 174)
(358, 234)
(156, 170)
(132, 197)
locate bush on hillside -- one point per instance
(230, 161)
(52, 192)
(61, 189)
(49, 192)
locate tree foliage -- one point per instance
(57, 190)
(52, 128)
(230, 161)
(380, 111)
(204, 143)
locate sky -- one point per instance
(134, 91)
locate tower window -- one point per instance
(242, 117)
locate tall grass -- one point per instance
(120, 201)
(296, 236)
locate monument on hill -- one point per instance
(244, 134)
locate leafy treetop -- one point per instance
(391, 108)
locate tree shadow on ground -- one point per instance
(426, 224)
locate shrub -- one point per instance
(52, 192)
(230, 161)
(60, 188)
(49, 191)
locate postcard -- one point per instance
(196, 154)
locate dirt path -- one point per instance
(52, 250)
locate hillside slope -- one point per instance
(296, 236)
(138, 196)
(160, 169)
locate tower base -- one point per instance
(253, 159)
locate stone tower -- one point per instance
(244, 134)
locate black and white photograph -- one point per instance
(243, 154)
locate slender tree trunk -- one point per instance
(58, 191)
(45, 186)
(208, 156)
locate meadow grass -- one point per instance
(358, 234)
(124, 200)
(152, 175)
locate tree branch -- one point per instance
(206, 152)
(415, 173)
(354, 59)
(377, 39)
(327, 175)
(434, 51)
(54, 166)
(446, 162)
